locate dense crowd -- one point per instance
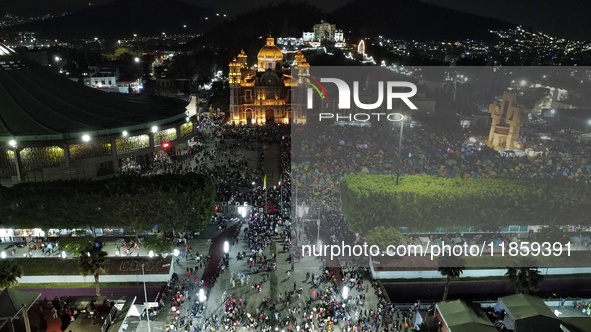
(316, 302)
(324, 158)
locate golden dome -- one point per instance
(270, 51)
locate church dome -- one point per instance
(270, 51)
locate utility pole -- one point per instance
(318, 226)
(399, 151)
(146, 308)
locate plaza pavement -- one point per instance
(276, 284)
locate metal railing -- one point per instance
(109, 319)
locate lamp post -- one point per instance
(226, 247)
(227, 254)
(57, 62)
(138, 69)
(146, 308)
(176, 254)
(400, 151)
(14, 146)
(265, 189)
(202, 297)
(318, 227)
(280, 200)
(345, 292)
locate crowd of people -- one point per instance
(315, 302)
(324, 158)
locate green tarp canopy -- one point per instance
(12, 300)
(460, 316)
(520, 306)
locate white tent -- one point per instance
(135, 310)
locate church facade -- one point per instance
(263, 93)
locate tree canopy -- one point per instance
(158, 245)
(424, 202)
(552, 234)
(170, 202)
(525, 276)
(93, 261)
(10, 271)
(384, 237)
(75, 244)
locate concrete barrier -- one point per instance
(434, 274)
(90, 279)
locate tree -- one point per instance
(451, 267)
(135, 200)
(423, 202)
(10, 271)
(552, 234)
(137, 210)
(158, 245)
(384, 237)
(75, 244)
(93, 261)
(525, 277)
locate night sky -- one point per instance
(568, 18)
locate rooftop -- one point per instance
(40, 105)
(520, 306)
(460, 316)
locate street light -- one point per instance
(150, 254)
(345, 292)
(63, 254)
(242, 211)
(12, 143)
(2, 255)
(146, 308)
(202, 296)
(226, 247)
(86, 138)
(400, 150)
(176, 252)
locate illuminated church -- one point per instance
(263, 93)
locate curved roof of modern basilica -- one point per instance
(5, 50)
(37, 104)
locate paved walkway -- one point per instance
(274, 285)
